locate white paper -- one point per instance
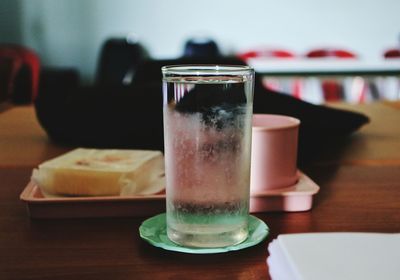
(335, 256)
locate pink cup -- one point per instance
(274, 152)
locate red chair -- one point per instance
(332, 89)
(23, 73)
(269, 53)
(392, 53)
(338, 53)
(293, 87)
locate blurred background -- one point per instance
(70, 33)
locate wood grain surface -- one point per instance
(360, 191)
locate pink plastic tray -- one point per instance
(39, 206)
(296, 198)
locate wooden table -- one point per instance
(360, 191)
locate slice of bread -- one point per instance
(95, 172)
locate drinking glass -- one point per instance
(207, 141)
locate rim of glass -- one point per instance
(206, 69)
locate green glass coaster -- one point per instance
(154, 231)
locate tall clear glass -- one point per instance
(207, 139)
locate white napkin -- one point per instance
(335, 256)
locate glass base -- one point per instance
(154, 231)
(215, 239)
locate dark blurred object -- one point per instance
(322, 128)
(56, 81)
(118, 61)
(8, 67)
(201, 48)
(20, 73)
(132, 117)
(392, 53)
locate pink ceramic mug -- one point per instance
(274, 152)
